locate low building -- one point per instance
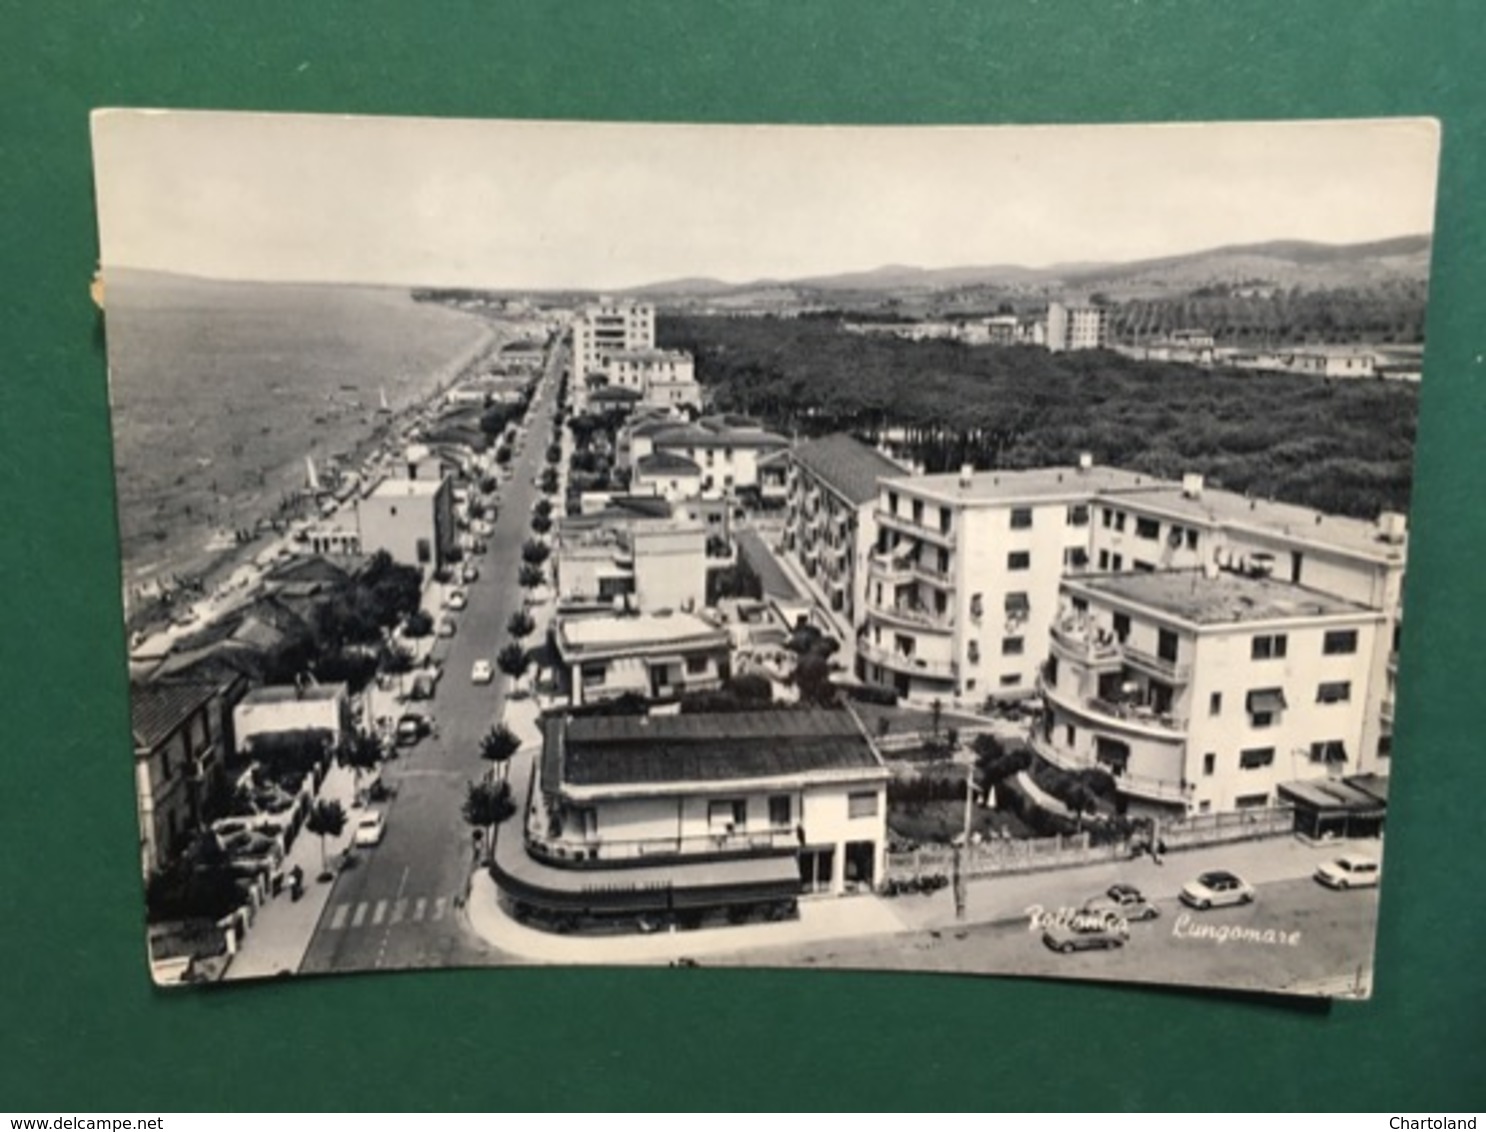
(662, 378)
(667, 475)
(1205, 692)
(655, 656)
(726, 450)
(287, 708)
(715, 809)
(179, 763)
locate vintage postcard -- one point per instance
(969, 550)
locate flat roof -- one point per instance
(1017, 485)
(632, 631)
(396, 486)
(632, 750)
(288, 693)
(1215, 505)
(1224, 598)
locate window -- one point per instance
(972, 654)
(903, 644)
(779, 810)
(1332, 752)
(1021, 518)
(1075, 558)
(1119, 520)
(1256, 757)
(1191, 540)
(1166, 643)
(1018, 560)
(945, 519)
(1069, 734)
(1122, 626)
(1339, 642)
(1050, 671)
(1106, 516)
(726, 816)
(697, 665)
(1078, 515)
(918, 512)
(1104, 560)
(1251, 801)
(1017, 604)
(1147, 528)
(1215, 704)
(1011, 680)
(862, 804)
(977, 606)
(425, 552)
(1334, 692)
(1209, 763)
(1268, 647)
(593, 674)
(1013, 646)
(1117, 563)
(892, 502)
(1143, 567)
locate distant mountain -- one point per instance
(1278, 263)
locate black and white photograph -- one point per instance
(961, 550)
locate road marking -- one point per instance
(380, 913)
(397, 910)
(338, 921)
(439, 908)
(360, 917)
(418, 909)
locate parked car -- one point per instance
(1353, 870)
(370, 827)
(425, 683)
(1124, 899)
(1087, 932)
(1214, 889)
(456, 599)
(446, 627)
(470, 573)
(412, 727)
(482, 672)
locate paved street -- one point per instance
(401, 905)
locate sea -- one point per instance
(220, 390)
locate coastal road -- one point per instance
(1330, 931)
(398, 907)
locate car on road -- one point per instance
(470, 573)
(370, 827)
(446, 627)
(411, 727)
(1086, 931)
(481, 528)
(1216, 888)
(1124, 900)
(1352, 870)
(456, 599)
(482, 672)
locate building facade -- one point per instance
(658, 657)
(662, 378)
(179, 731)
(411, 519)
(606, 328)
(641, 565)
(1076, 327)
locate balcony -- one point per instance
(913, 616)
(919, 529)
(580, 852)
(1160, 667)
(905, 568)
(912, 665)
(1081, 646)
(1137, 719)
(1139, 786)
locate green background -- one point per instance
(80, 1027)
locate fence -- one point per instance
(999, 857)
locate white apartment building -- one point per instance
(605, 328)
(663, 378)
(1205, 691)
(726, 452)
(645, 565)
(1076, 327)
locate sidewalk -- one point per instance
(281, 931)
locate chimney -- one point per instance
(1392, 526)
(967, 473)
(1192, 485)
(1085, 461)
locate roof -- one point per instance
(157, 711)
(1019, 485)
(600, 634)
(667, 463)
(846, 465)
(394, 486)
(1290, 520)
(525, 346)
(1225, 598)
(289, 693)
(633, 750)
(718, 435)
(615, 393)
(775, 582)
(648, 355)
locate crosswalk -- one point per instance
(347, 916)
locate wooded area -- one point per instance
(1345, 446)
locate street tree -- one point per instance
(543, 507)
(486, 805)
(498, 747)
(327, 818)
(513, 660)
(361, 753)
(531, 576)
(521, 624)
(541, 524)
(535, 551)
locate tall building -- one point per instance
(1205, 691)
(606, 328)
(1076, 327)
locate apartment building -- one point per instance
(831, 493)
(1076, 327)
(725, 450)
(662, 378)
(1204, 690)
(411, 519)
(604, 328)
(657, 656)
(640, 564)
(180, 752)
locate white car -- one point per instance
(470, 573)
(456, 599)
(1216, 888)
(482, 672)
(1354, 870)
(370, 827)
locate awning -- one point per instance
(1332, 796)
(1017, 603)
(1334, 751)
(1266, 700)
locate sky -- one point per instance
(549, 205)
